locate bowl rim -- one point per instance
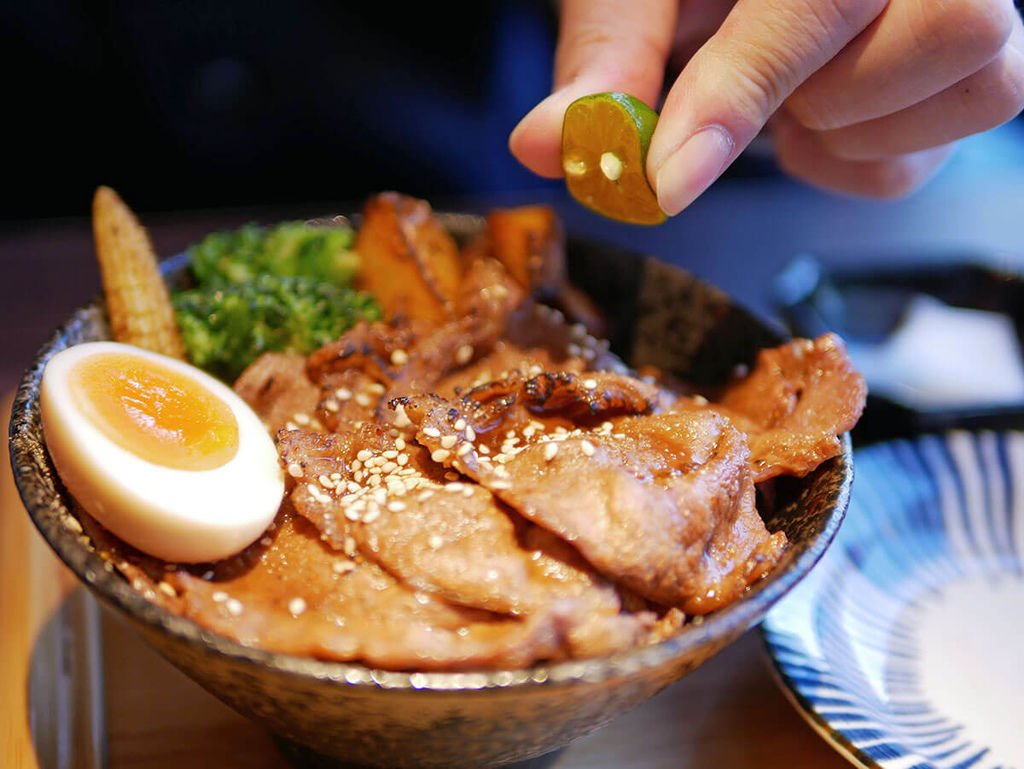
(59, 528)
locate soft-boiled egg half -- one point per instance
(162, 454)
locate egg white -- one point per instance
(183, 516)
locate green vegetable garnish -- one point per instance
(289, 248)
(265, 289)
(225, 329)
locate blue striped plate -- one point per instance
(904, 646)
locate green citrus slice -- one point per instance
(604, 153)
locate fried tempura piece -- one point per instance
(138, 301)
(411, 264)
(530, 242)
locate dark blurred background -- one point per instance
(196, 104)
(186, 104)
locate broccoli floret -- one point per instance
(225, 328)
(288, 248)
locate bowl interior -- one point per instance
(660, 315)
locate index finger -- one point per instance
(603, 45)
(762, 52)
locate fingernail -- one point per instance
(692, 168)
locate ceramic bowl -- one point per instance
(903, 647)
(331, 714)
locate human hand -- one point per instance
(865, 97)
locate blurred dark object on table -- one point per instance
(939, 340)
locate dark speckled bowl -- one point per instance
(329, 714)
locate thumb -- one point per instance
(603, 45)
(735, 82)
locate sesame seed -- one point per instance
(364, 400)
(464, 354)
(390, 454)
(376, 388)
(402, 460)
(550, 449)
(435, 541)
(587, 448)
(431, 432)
(464, 449)
(455, 486)
(331, 405)
(234, 607)
(425, 495)
(401, 418)
(343, 394)
(448, 441)
(326, 482)
(364, 455)
(166, 589)
(440, 455)
(296, 606)
(349, 546)
(451, 476)
(389, 467)
(400, 444)
(470, 433)
(396, 506)
(399, 357)
(460, 424)
(589, 384)
(485, 449)
(343, 567)
(301, 419)
(295, 470)
(501, 483)
(371, 515)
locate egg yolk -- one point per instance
(155, 412)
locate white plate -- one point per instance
(904, 646)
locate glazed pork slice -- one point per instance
(275, 385)
(373, 494)
(499, 332)
(291, 593)
(794, 404)
(663, 504)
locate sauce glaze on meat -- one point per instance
(495, 488)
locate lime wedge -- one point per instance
(604, 151)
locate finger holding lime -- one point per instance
(605, 137)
